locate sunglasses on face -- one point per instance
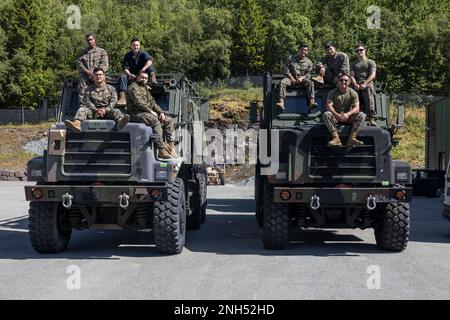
(360, 50)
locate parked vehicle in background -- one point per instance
(429, 183)
(447, 193)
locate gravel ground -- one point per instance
(37, 146)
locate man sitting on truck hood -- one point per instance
(343, 107)
(98, 102)
(143, 108)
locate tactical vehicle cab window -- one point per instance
(299, 104)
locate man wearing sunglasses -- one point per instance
(98, 102)
(363, 72)
(90, 58)
(298, 72)
(333, 64)
(343, 107)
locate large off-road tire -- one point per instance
(259, 193)
(198, 199)
(275, 222)
(48, 229)
(169, 220)
(392, 231)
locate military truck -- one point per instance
(329, 187)
(216, 175)
(102, 178)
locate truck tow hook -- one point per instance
(371, 202)
(67, 200)
(315, 202)
(123, 200)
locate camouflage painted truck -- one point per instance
(102, 178)
(329, 187)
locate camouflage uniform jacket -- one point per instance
(91, 59)
(102, 97)
(141, 100)
(297, 67)
(337, 64)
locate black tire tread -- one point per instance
(44, 231)
(198, 216)
(168, 220)
(275, 222)
(393, 233)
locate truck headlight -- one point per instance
(401, 176)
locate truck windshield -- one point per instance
(299, 104)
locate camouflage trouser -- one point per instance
(83, 83)
(356, 119)
(367, 97)
(84, 113)
(157, 125)
(286, 82)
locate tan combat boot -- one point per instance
(372, 122)
(154, 82)
(170, 147)
(335, 141)
(74, 125)
(312, 104)
(122, 99)
(123, 121)
(280, 104)
(352, 141)
(163, 154)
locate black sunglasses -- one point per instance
(359, 50)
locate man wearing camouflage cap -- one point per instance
(298, 72)
(142, 107)
(332, 65)
(90, 58)
(98, 102)
(363, 72)
(343, 107)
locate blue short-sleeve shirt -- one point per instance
(135, 63)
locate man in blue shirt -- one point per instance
(134, 62)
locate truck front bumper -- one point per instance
(96, 194)
(341, 196)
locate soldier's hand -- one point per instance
(101, 112)
(162, 117)
(132, 77)
(362, 86)
(300, 80)
(344, 117)
(356, 86)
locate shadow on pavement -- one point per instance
(223, 233)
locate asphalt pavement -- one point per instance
(225, 259)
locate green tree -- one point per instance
(284, 37)
(250, 38)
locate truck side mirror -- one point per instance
(400, 116)
(254, 112)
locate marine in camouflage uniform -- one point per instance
(333, 64)
(298, 72)
(90, 58)
(142, 108)
(363, 72)
(98, 102)
(343, 107)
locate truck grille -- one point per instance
(97, 154)
(342, 162)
